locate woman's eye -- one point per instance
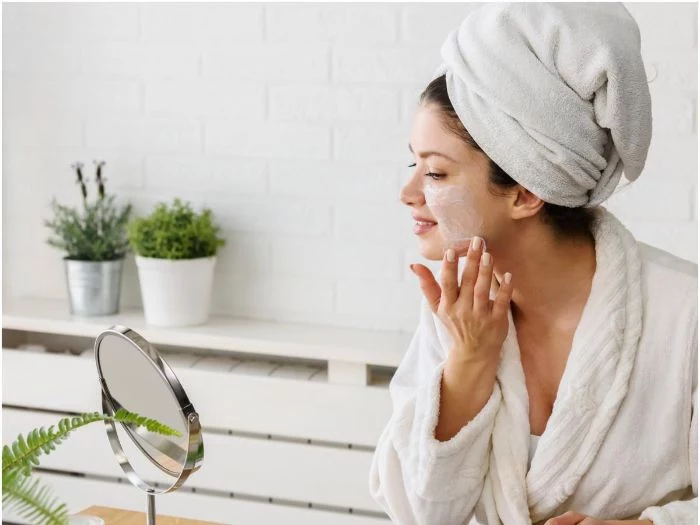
(434, 176)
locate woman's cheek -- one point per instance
(454, 209)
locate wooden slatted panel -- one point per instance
(286, 407)
(81, 493)
(267, 468)
(266, 405)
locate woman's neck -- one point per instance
(552, 279)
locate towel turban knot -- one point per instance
(554, 93)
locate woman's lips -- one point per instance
(421, 227)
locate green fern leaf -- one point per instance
(7, 454)
(32, 501)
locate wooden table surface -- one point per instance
(113, 516)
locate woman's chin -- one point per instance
(431, 250)
(434, 249)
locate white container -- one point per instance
(176, 292)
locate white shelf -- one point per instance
(223, 334)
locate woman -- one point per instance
(553, 378)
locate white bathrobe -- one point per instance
(621, 442)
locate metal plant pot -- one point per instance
(94, 288)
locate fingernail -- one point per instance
(451, 255)
(411, 267)
(476, 243)
(485, 259)
(507, 278)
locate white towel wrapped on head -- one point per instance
(554, 93)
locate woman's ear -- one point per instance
(524, 203)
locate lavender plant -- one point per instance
(95, 231)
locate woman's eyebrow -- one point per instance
(429, 153)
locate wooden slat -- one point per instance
(305, 409)
(267, 405)
(305, 473)
(80, 493)
(49, 381)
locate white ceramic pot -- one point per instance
(176, 293)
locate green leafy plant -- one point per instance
(25, 494)
(175, 231)
(94, 232)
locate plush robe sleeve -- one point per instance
(415, 478)
(684, 512)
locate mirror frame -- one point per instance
(195, 448)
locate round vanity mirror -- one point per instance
(134, 377)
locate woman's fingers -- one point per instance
(482, 301)
(501, 302)
(475, 288)
(471, 272)
(428, 284)
(448, 276)
(568, 518)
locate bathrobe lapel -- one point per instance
(511, 432)
(592, 388)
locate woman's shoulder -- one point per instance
(670, 286)
(665, 262)
(670, 297)
(663, 271)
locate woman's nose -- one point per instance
(412, 192)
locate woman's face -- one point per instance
(448, 188)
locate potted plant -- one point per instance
(94, 239)
(25, 494)
(175, 250)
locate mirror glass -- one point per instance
(135, 383)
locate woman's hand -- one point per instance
(576, 518)
(477, 324)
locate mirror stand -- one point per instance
(151, 514)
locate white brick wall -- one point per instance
(291, 122)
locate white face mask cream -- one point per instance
(453, 208)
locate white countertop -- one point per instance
(305, 341)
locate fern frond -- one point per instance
(124, 416)
(23, 454)
(31, 500)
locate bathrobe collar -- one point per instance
(592, 388)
